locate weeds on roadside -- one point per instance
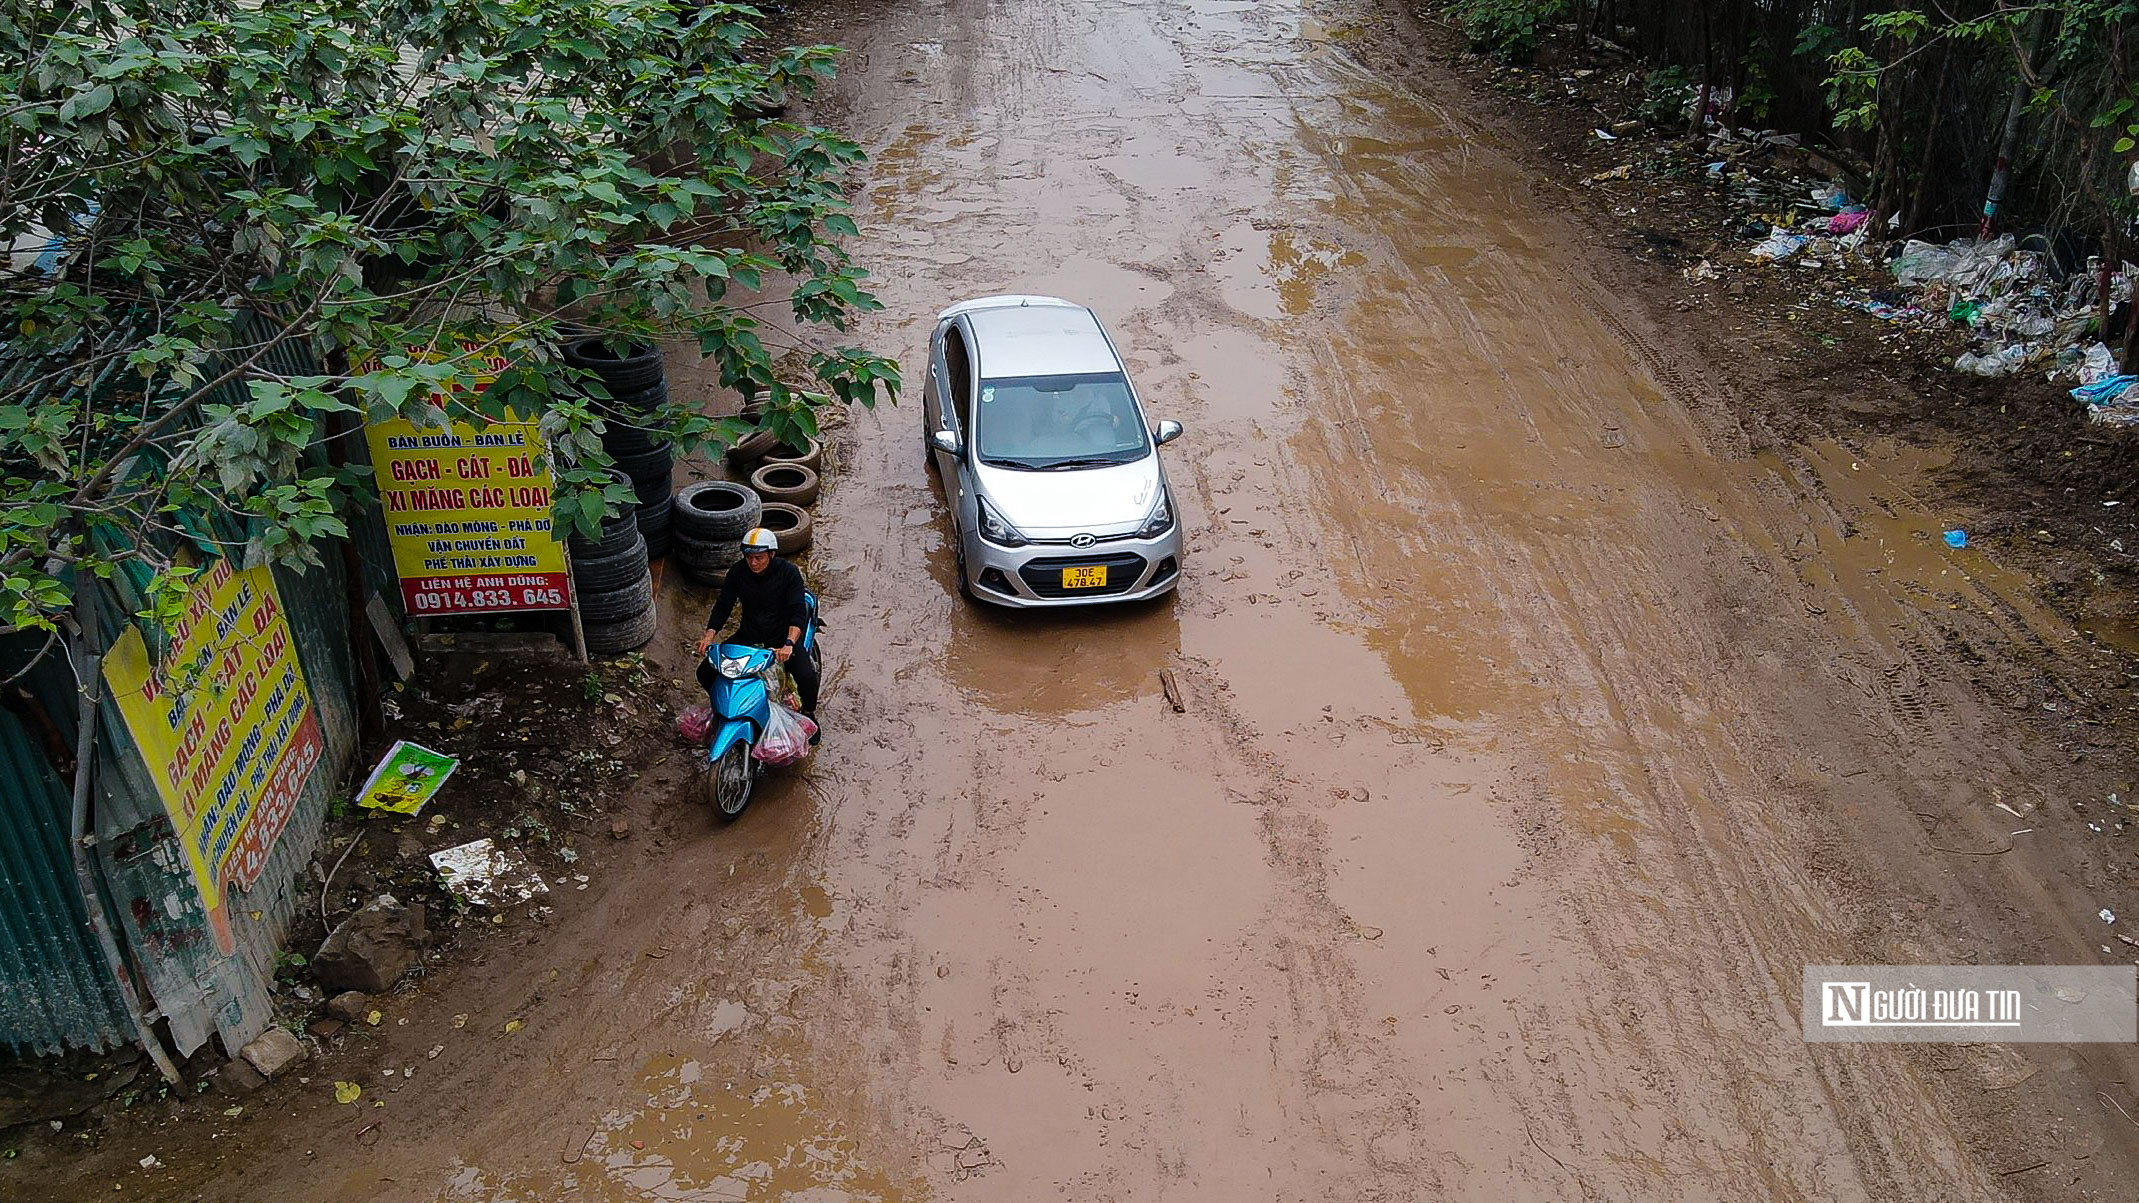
(1507, 29)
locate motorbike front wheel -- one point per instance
(729, 783)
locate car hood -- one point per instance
(1056, 505)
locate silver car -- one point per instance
(1052, 472)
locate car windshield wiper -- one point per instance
(1022, 465)
(1082, 463)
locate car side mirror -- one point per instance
(946, 441)
(1166, 432)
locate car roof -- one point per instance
(1037, 336)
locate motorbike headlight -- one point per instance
(735, 668)
(1161, 519)
(994, 529)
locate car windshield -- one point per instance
(1047, 422)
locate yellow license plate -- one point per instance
(1094, 577)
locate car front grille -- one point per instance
(1044, 577)
(1114, 538)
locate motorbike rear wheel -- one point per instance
(729, 781)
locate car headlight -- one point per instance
(1161, 519)
(994, 529)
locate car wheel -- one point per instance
(965, 581)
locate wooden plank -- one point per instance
(1173, 690)
(390, 638)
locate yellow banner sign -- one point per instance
(468, 515)
(225, 725)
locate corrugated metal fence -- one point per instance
(55, 990)
(58, 990)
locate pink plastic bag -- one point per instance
(695, 726)
(787, 736)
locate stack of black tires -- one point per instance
(786, 481)
(610, 572)
(615, 586)
(711, 518)
(637, 390)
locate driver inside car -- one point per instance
(1074, 415)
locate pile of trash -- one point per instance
(2023, 309)
(2026, 304)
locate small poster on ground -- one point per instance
(407, 777)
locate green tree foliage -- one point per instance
(394, 181)
(1507, 28)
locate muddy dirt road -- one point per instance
(1542, 724)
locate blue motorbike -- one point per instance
(746, 677)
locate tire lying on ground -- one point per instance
(619, 603)
(752, 448)
(791, 483)
(655, 523)
(715, 511)
(638, 367)
(607, 574)
(811, 456)
(790, 524)
(609, 638)
(618, 533)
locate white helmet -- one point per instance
(760, 539)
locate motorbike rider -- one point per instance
(775, 612)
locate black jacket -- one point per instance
(772, 602)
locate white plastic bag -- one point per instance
(787, 736)
(2002, 362)
(1778, 245)
(1922, 263)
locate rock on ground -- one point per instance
(275, 1051)
(370, 950)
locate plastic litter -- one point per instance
(1922, 263)
(2003, 362)
(2108, 391)
(787, 737)
(2111, 402)
(408, 776)
(480, 873)
(2084, 365)
(1778, 246)
(1957, 538)
(1847, 223)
